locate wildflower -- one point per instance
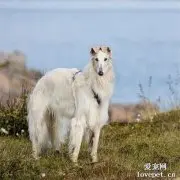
(138, 119)
(138, 115)
(43, 175)
(4, 131)
(61, 173)
(22, 131)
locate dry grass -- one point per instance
(123, 151)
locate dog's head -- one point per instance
(102, 59)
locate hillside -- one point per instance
(123, 152)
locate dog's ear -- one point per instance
(108, 50)
(93, 51)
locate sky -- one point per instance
(144, 37)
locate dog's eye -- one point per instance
(105, 59)
(96, 59)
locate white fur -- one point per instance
(58, 104)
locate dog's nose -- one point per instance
(100, 73)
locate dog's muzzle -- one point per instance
(100, 73)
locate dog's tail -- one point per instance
(37, 120)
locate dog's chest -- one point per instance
(102, 91)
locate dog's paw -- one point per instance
(94, 159)
(36, 157)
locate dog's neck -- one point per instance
(101, 86)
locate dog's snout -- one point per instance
(101, 73)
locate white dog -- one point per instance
(67, 99)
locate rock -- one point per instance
(14, 75)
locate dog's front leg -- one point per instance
(94, 141)
(94, 138)
(76, 135)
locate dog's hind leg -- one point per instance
(36, 149)
(87, 135)
(61, 128)
(38, 129)
(40, 141)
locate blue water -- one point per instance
(145, 42)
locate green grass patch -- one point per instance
(124, 149)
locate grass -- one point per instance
(124, 149)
